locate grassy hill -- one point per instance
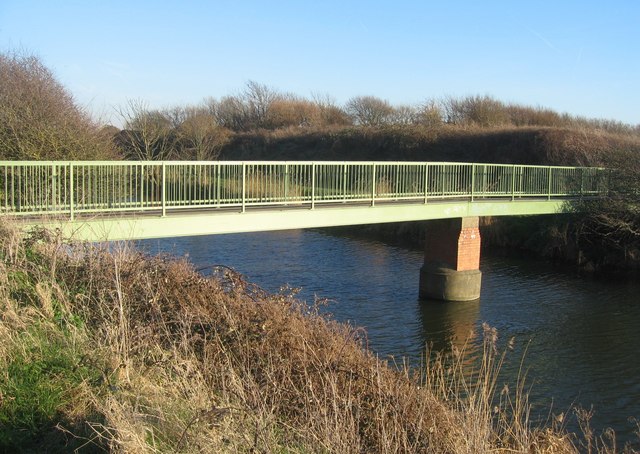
(604, 238)
(526, 145)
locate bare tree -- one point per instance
(232, 113)
(290, 110)
(330, 113)
(369, 110)
(148, 133)
(176, 115)
(430, 113)
(39, 118)
(259, 99)
(404, 115)
(483, 111)
(200, 137)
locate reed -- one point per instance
(144, 354)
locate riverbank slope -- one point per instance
(104, 348)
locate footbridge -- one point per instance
(125, 200)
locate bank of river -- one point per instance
(580, 335)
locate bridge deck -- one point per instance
(131, 200)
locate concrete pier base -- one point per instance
(443, 283)
(451, 269)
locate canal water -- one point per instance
(579, 337)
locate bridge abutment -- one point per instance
(451, 269)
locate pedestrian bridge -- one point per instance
(103, 201)
(122, 200)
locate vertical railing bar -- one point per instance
(473, 181)
(103, 185)
(218, 182)
(344, 181)
(373, 184)
(520, 175)
(140, 175)
(163, 193)
(14, 202)
(54, 187)
(513, 182)
(244, 175)
(112, 171)
(84, 185)
(313, 185)
(426, 182)
(286, 182)
(6, 188)
(71, 192)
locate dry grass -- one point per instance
(264, 188)
(162, 359)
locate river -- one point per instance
(581, 336)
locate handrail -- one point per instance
(76, 187)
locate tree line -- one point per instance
(40, 120)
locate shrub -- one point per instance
(38, 116)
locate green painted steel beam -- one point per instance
(221, 222)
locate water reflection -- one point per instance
(449, 324)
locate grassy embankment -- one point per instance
(109, 349)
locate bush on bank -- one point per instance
(39, 119)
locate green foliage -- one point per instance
(21, 287)
(43, 374)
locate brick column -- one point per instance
(451, 269)
(468, 245)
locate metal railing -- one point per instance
(76, 187)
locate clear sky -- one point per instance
(580, 57)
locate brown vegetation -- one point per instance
(263, 123)
(150, 356)
(39, 119)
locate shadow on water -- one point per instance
(446, 324)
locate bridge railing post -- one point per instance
(71, 191)
(54, 187)
(164, 189)
(142, 185)
(286, 183)
(344, 182)
(244, 187)
(426, 182)
(373, 184)
(313, 185)
(513, 182)
(218, 184)
(473, 180)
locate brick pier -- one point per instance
(451, 269)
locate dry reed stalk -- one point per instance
(195, 364)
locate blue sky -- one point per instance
(580, 57)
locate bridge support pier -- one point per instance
(451, 269)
